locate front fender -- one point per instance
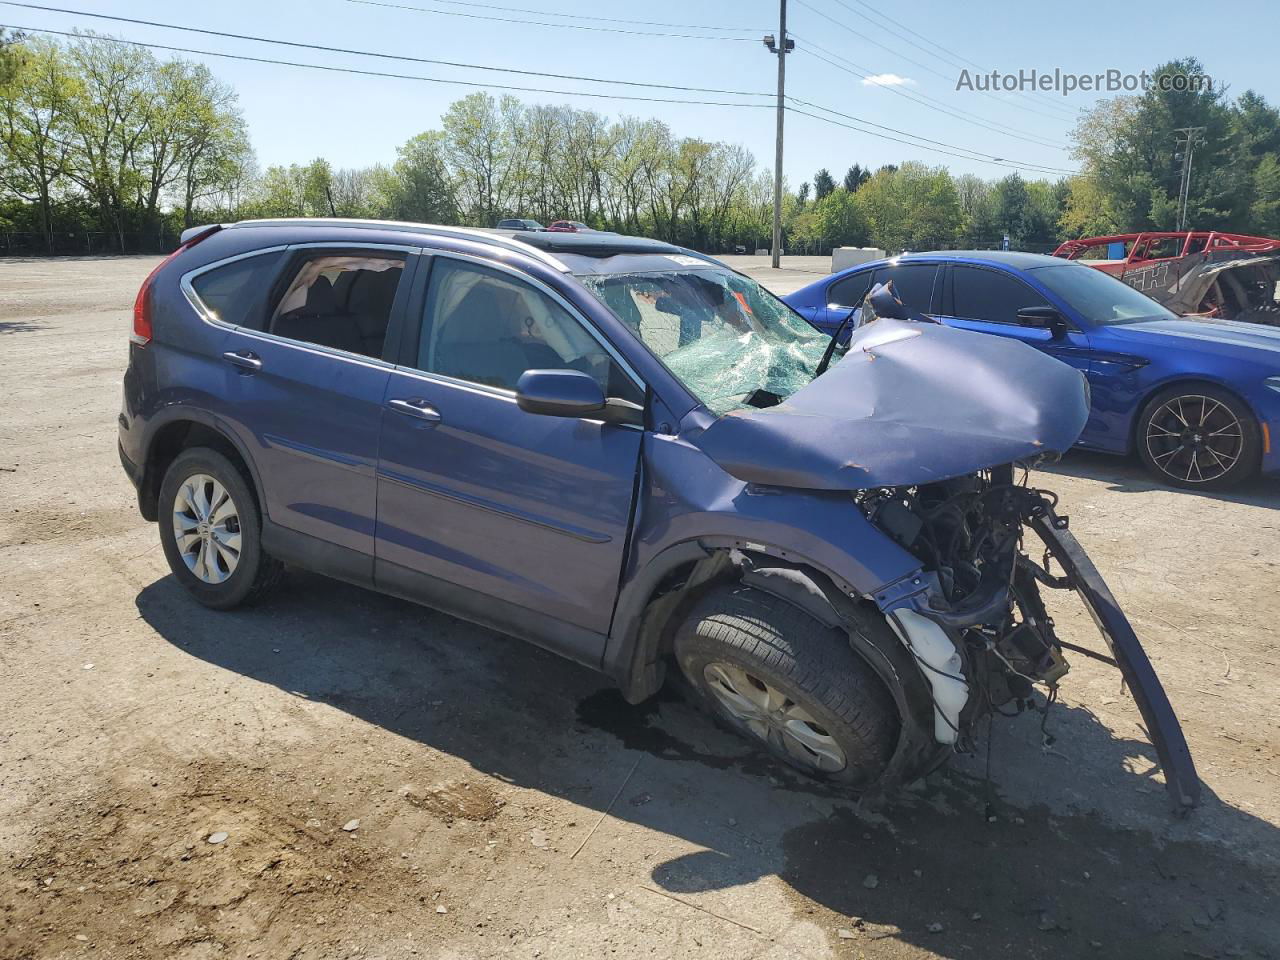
(689, 512)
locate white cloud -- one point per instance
(887, 80)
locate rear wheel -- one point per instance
(1198, 437)
(777, 676)
(211, 531)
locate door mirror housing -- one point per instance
(1043, 318)
(571, 393)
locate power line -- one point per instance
(949, 55)
(377, 54)
(965, 154)
(933, 104)
(543, 23)
(379, 73)
(997, 161)
(588, 16)
(922, 66)
(1046, 168)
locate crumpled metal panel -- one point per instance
(910, 403)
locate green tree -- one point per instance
(823, 184)
(420, 187)
(839, 221)
(1130, 145)
(34, 127)
(1264, 212)
(855, 177)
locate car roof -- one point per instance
(1006, 258)
(595, 252)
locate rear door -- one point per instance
(512, 519)
(304, 387)
(987, 301)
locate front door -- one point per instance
(988, 301)
(512, 519)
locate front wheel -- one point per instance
(211, 531)
(777, 676)
(1198, 437)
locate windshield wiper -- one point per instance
(831, 347)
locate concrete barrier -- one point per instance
(842, 258)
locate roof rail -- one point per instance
(480, 235)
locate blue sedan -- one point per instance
(1196, 400)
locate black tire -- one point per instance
(1179, 449)
(256, 573)
(776, 643)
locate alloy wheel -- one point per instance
(206, 528)
(771, 716)
(1194, 438)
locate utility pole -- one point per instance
(1184, 191)
(781, 47)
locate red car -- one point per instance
(568, 226)
(1205, 272)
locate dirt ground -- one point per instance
(393, 783)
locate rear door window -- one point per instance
(234, 292)
(340, 300)
(914, 283)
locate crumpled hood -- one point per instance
(1225, 338)
(910, 403)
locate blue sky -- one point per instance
(295, 115)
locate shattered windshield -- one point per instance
(730, 341)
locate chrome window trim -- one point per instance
(541, 287)
(210, 317)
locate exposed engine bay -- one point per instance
(971, 536)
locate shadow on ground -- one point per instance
(945, 877)
(1125, 475)
(20, 326)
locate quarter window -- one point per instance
(991, 296)
(849, 291)
(340, 301)
(233, 291)
(485, 327)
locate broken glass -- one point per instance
(730, 341)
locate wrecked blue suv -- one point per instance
(621, 450)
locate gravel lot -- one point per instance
(137, 724)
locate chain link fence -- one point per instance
(18, 243)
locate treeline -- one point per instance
(99, 139)
(1131, 158)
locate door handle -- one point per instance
(246, 360)
(416, 407)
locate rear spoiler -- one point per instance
(203, 231)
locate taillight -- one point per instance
(142, 304)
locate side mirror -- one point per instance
(1043, 318)
(571, 393)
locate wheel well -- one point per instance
(1179, 384)
(809, 589)
(169, 441)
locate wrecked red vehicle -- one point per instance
(1207, 273)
